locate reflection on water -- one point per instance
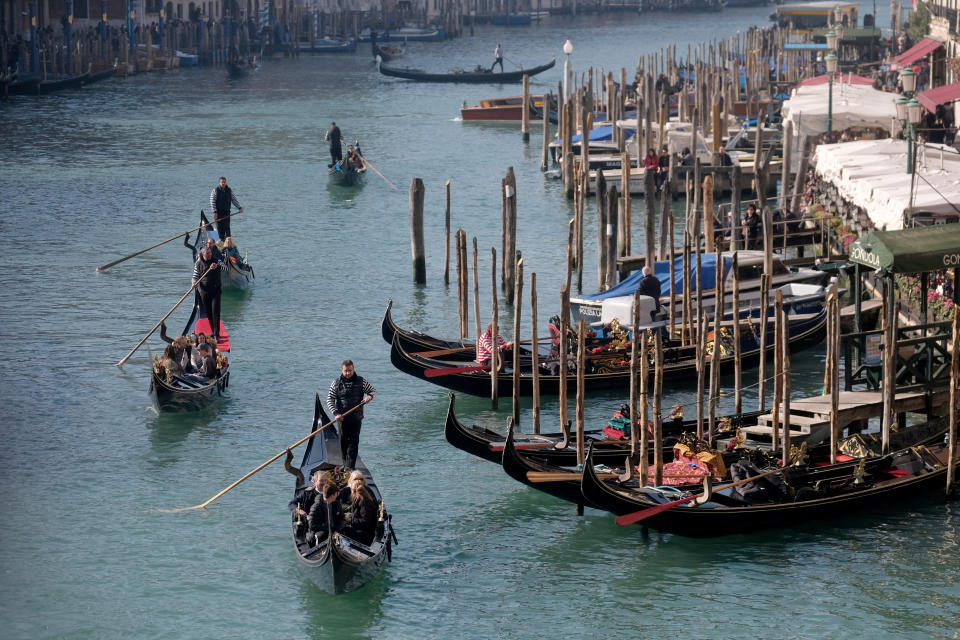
(346, 615)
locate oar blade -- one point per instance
(643, 514)
(433, 373)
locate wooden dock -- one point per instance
(810, 417)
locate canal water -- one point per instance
(87, 468)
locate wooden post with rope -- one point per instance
(564, 349)
(657, 419)
(545, 150)
(476, 295)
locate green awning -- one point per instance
(909, 250)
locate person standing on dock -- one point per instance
(335, 140)
(209, 288)
(497, 58)
(346, 392)
(221, 199)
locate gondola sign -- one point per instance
(863, 255)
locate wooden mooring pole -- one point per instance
(535, 353)
(446, 230)
(517, 308)
(494, 350)
(416, 231)
(525, 117)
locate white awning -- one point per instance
(872, 174)
(854, 106)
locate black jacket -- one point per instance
(359, 518)
(318, 515)
(650, 286)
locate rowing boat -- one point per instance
(476, 76)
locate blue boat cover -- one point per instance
(661, 269)
(603, 133)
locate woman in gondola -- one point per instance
(359, 510)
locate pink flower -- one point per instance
(933, 295)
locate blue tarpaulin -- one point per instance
(603, 133)
(661, 269)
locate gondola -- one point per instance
(237, 70)
(414, 341)
(606, 371)
(556, 448)
(176, 393)
(345, 565)
(907, 474)
(477, 76)
(238, 273)
(347, 176)
(35, 85)
(385, 54)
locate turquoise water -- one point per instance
(87, 467)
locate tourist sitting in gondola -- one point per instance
(360, 510)
(182, 346)
(485, 346)
(354, 161)
(208, 362)
(304, 498)
(325, 509)
(170, 362)
(230, 250)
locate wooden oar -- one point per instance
(442, 352)
(433, 373)
(367, 163)
(203, 505)
(156, 326)
(179, 235)
(643, 514)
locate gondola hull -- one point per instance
(348, 177)
(718, 518)
(470, 77)
(678, 364)
(339, 564)
(170, 396)
(489, 445)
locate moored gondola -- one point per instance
(477, 76)
(803, 496)
(605, 370)
(190, 393)
(238, 272)
(337, 564)
(556, 448)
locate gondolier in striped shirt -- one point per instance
(221, 199)
(346, 392)
(485, 346)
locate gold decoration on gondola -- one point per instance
(383, 511)
(860, 472)
(799, 454)
(724, 425)
(677, 411)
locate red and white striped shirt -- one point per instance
(484, 349)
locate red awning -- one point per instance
(916, 52)
(838, 78)
(941, 95)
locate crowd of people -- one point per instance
(192, 358)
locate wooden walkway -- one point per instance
(810, 417)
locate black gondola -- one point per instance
(345, 564)
(35, 85)
(178, 393)
(347, 176)
(678, 362)
(477, 76)
(238, 274)
(908, 473)
(517, 465)
(385, 54)
(489, 445)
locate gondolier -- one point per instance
(346, 392)
(221, 199)
(209, 287)
(497, 58)
(335, 139)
